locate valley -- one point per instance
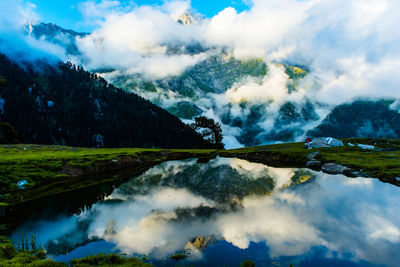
(199, 133)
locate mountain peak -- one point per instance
(50, 29)
(29, 29)
(188, 18)
(53, 33)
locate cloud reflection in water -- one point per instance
(160, 211)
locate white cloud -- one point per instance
(176, 8)
(15, 14)
(137, 42)
(95, 12)
(273, 88)
(350, 45)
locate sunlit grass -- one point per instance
(44, 166)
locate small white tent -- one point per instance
(326, 142)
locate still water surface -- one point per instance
(228, 210)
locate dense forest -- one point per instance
(66, 105)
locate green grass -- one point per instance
(11, 256)
(109, 260)
(383, 163)
(44, 167)
(48, 168)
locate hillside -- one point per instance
(66, 105)
(365, 118)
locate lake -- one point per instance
(227, 210)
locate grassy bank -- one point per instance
(55, 169)
(382, 163)
(27, 255)
(30, 256)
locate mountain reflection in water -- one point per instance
(266, 214)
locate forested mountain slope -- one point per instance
(67, 105)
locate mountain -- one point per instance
(67, 105)
(188, 18)
(220, 181)
(362, 118)
(214, 87)
(56, 35)
(198, 91)
(215, 74)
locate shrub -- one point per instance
(23, 257)
(41, 254)
(247, 263)
(8, 251)
(4, 239)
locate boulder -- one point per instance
(314, 165)
(332, 168)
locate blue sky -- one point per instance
(66, 14)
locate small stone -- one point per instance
(397, 179)
(22, 184)
(366, 147)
